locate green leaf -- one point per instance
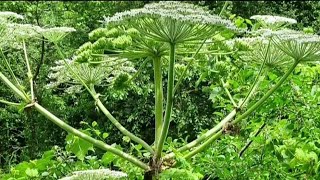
(126, 139)
(78, 146)
(94, 124)
(105, 135)
(107, 158)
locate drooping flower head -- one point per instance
(172, 22)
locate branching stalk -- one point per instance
(204, 145)
(169, 102)
(158, 99)
(85, 137)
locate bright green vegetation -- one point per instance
(160, 90)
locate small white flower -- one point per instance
(273, 19)
(7, 14)
(57, 33)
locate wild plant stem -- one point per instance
(169, 103)
(228, 93)
(158, 99)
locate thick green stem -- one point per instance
(169, 103)
(158, 99)
(85, 137)
(267, 95)
(248, 112)
(13, 87)
(30, 78)
(122, 129)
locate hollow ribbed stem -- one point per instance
(169, 102)
(9, 68)
(158, 98)
(30, 78)
(85, 137)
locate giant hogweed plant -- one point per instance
(159, 32)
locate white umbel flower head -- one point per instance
(172, 21)
(273, 19)
(97, 174)
(57, 33)
(10, 15)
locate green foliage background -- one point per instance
(287, 148)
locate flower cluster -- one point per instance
(273, 19)
(57, 33)
(179, 11)
(98, 174)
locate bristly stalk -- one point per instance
(158, 98)
(169, 102)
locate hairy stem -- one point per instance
(85, 137)
(169, 103)
(158, 98)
